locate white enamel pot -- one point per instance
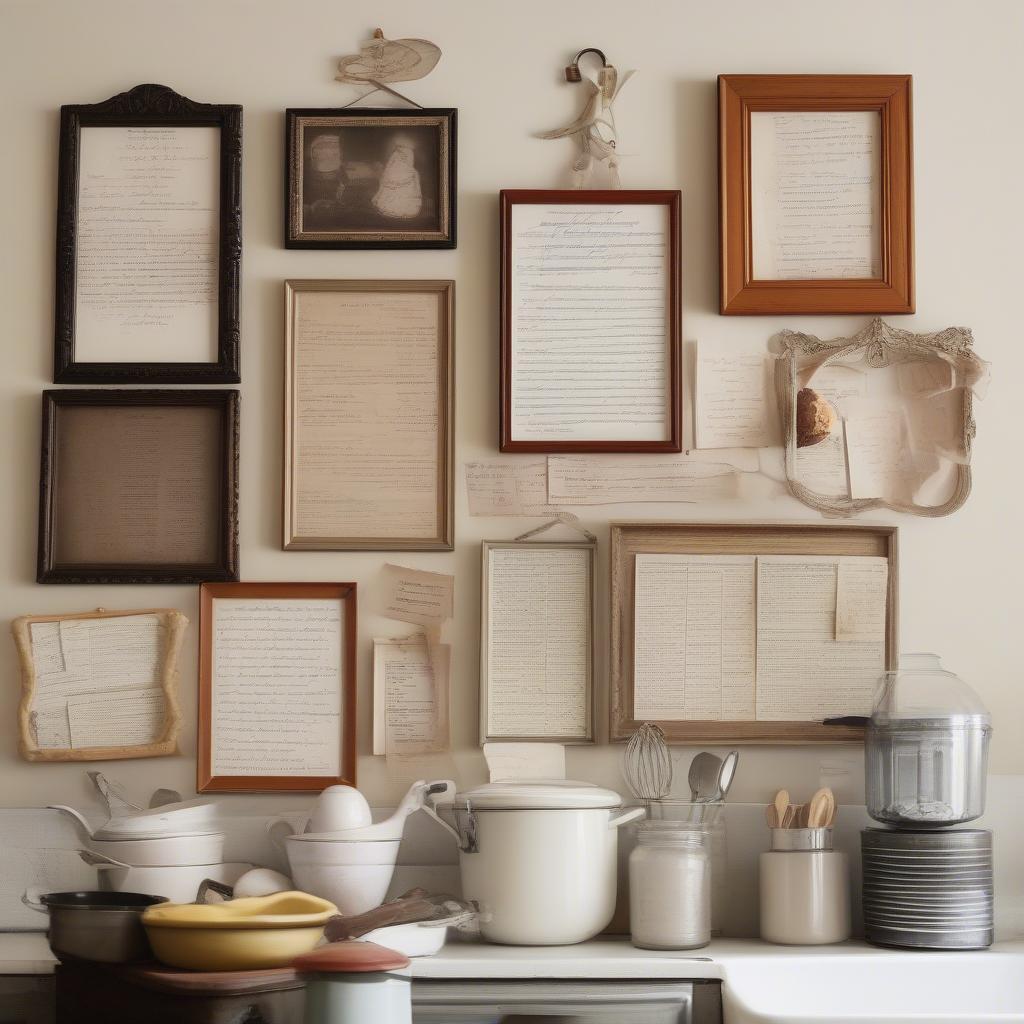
(539, 860)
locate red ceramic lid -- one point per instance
(350, 958)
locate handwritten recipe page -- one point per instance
(590, 322)
(277, 684)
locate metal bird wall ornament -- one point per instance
(594, 129)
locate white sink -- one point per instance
(886, 987)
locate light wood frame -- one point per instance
(890, 95)
(629, 539)
(167, 743)
(206, 781)
(672, 200)
(444, 539)
(486, 548)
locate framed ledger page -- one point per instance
(138, 486)
(750, 632)
(369, 415)
(590, 321)
(537, 641)
(149, 240)
(277, 686)
(816, 194)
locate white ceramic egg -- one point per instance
(338, 808)
(261, 882)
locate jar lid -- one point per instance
(920, 694)
(538, 794)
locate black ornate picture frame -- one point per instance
(371, 178)
(146, 107)
(138, 486)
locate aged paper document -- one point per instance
(410, 696)
(367, 448)
(734, 397)
(513, 762)
(612, 479)
(97, 681)
(879, 459)
(537, 656)
(508, 487)
(822, 466)
(693, 640)
(147, 252)
(815, 188)
(590, 322)
(417, 596)
(804, 673)
(276, 681)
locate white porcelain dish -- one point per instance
(352, 888)
(419, 939)
(301, 852)
(179, 884)
(539, 859)
(164, 851)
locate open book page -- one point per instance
(820, 645)
(693, 637)
(410, 696)
(87, 669)
(538, 641)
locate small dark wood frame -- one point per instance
(446, 119)
(890, 95)
(48, 570)
(653, 537)
(672, 199)
(206, 782)
(150, 105)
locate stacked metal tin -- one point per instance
(928, 889)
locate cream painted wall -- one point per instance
(502, 68)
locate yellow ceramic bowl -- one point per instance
(240, 935)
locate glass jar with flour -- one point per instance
(670, 886)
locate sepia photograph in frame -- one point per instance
(370, 179)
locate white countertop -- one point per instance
(29, 953)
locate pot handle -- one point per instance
(276, 831)
(631, 815)
(442, 791)
(77, 815)
(30, 897)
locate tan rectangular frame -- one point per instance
(633, 538)
(445, 537)
(167, 743)
(486, 548)
(890, 95)
(206, 781)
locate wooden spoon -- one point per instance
(821, 808)
(780, 803)
(787, 818)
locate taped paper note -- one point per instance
(414, 595)
(859, 612)
(410, 696)
(514, 762)
(734, 401)
(508, 488)
(613, 479)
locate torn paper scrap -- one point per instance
(410, 696)
(417, 596)
(513, 762)
(614, 479)
(734, 401)
(496, 487)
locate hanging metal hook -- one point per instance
(573, 73)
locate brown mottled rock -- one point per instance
(815, 418)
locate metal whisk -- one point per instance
(647, 764)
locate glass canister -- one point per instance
(805, 889)
(926, 749)
(670, 886)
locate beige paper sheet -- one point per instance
(366, 449)
(147, 251)
(734, 399)
(614, 479)
(138, 485)
(415, 595)
(411, 686)
(276, 683)
(508, 487)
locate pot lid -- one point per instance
(538, 794)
